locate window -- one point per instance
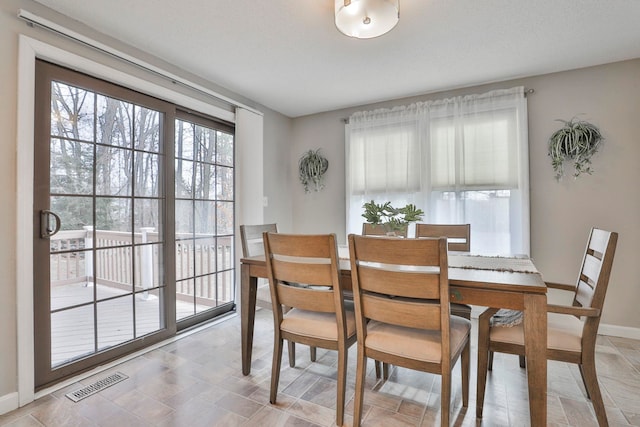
(462, 160)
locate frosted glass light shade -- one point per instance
(365, 19)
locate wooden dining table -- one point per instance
(476, 280)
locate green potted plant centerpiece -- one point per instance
(393, 220)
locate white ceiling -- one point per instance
(288, 55)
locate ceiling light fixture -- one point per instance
(365, 19)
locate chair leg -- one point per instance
(384, 371)
(275, 368)
(465, 366)
(584, 381)
(523, 363)
(445, 398)
(342, 384)
(590, 378)
(292, 353)
(359, 392)
(485, 358)
(312, 350)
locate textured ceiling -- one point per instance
(288, 55)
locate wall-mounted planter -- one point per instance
(311, 169)
(576, 142)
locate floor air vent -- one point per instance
(87, 391)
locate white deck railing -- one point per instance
(116, 265)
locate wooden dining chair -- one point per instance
(571, 330)
(458, 239)
(253, 245)
(318, 316)
(401, 297)
(251, 238)
(458, 235)
(381, 230)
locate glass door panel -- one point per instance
(72, 334)
(104, 190)
(204, 217)
(107, 195)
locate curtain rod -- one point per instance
(35, 20)
(526, 92)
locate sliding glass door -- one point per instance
(121, 259)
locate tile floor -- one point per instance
(197, 381)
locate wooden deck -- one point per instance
(72, 331)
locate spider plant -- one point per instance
(576, 141)
(311, 169)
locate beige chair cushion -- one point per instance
(564, 333)
(418, 344)
(317, 325)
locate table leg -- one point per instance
(535, 337)
(248, 289)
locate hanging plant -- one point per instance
(577, 141)
(311, 169)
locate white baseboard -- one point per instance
(9, 402)
(619, 331)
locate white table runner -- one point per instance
(510, 264)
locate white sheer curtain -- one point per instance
(462, 160)
(383, 160)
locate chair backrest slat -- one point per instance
(306, 298)
(599, 240)
(591, 269)
(300, 245)
(303, 272)
(377, 280)
(394, 251)
(458, 235)
(411, 314)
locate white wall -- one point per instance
(279, 179)
(561, 213)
